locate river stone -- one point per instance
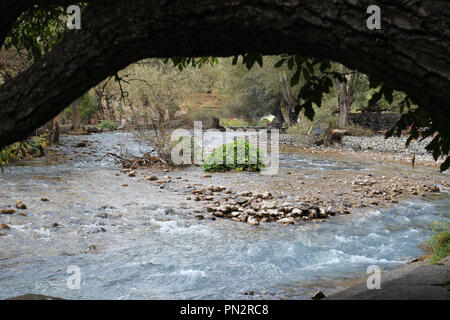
(296, 212)
(223, 208)
(263, 213)
(216, 188)
(34, 297)
(255, 206)
(304, 207)
(318, 295)
(252, 221)
(241, 200)
(8, 211)
(235, 213)
(243, 217)
(249, 212)
(269, 205)
(169, 209)
(4, 226)
(20, 205)
(313, 213)
(285, 221)
(80, 145)
(331, 210)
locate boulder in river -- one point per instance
(318, 295)
(8, 211)
(241, 199)
(80, 145)
(34, 297)
(20, 205)
(285, 221)
(253, 221)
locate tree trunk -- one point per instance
(345, 98)
(76, 115)
(413, 43)
(276, 110)
(292, 108)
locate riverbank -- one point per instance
(375, 148)
(417, 280)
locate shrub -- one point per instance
(216, 161)
(108, 125)
(24, 149)
(439, 245)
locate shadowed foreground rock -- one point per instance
(416, 281)
(34, 297)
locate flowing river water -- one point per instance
(138, 243)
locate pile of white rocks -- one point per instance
(253, 208)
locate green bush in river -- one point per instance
(108, 125)
(239, 155)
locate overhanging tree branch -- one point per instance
(414, 43)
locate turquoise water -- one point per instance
(147, 251)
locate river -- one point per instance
(136, 243)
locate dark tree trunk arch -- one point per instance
(411, 51)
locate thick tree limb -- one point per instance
(410, 53)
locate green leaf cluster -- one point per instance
(108, 125)
(244, 156)
(22, 149)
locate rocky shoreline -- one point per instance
(392, 149)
